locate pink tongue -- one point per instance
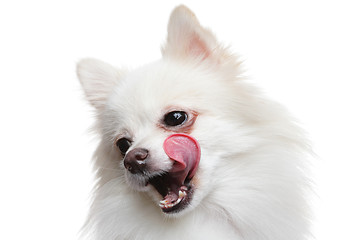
(184, 150)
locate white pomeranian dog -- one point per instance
(190, 150)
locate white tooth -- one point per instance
(182, 194)
(166, 204)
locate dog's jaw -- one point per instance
(170, 195)
(174, 197)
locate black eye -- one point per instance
(123, 144)
(175, 118)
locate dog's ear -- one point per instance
(187, 38)
(97, 79)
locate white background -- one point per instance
(305, 54)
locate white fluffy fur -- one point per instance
(251, 179)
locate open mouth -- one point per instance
(174, 186)
(176, 194)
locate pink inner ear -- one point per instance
(198, 48)
(184, 150)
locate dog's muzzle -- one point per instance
(174, 185)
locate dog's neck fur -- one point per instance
(119, 212)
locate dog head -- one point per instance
(172, 126)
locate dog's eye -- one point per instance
(123, 144)
(175, 118)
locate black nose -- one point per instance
(135, 160)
